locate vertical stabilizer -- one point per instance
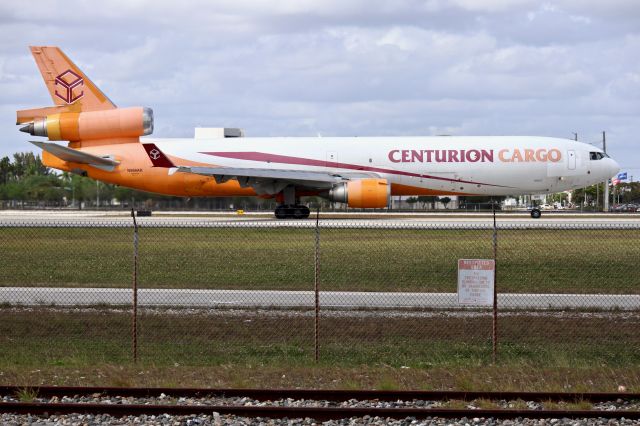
(68, 86)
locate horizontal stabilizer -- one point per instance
(27, 115)
(74, 156)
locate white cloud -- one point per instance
(491, 5)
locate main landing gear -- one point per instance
(536, 213)
(295, 211)
(290, 207)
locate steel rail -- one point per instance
(317, 413)
(319, 394)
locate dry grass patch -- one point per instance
(489, 378)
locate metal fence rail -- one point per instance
(336, 291)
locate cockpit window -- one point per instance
(594, 155)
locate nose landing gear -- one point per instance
(536, 213)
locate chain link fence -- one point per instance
(224, 292)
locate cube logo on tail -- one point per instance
(157, 157)
(70, 82)
(154, 154)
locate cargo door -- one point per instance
(569, 165)
(571, 159)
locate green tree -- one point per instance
(629, 192)
(5, 170)
(27, 164)
(424, 199)
(15, 191)
(42, 188)
(444, 201)
(592, 196)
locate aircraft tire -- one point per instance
(281, 212)
(536, 213)
(305, 212)
(292, 212)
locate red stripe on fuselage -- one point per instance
(286, 159)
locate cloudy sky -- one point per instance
(342, 68)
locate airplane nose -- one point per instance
(614, 167)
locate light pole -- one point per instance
(606, 184)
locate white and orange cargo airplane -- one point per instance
(104, 143)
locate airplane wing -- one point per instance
(75, 156)
(222, 174)
(263, 181)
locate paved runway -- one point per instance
(34, 296)
(454, 219)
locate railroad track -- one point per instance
(302, 403)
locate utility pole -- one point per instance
(606, 184)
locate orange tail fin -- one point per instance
(70, 88)
(67, 84)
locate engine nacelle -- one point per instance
(111, 123)
(362, 193)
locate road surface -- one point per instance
(34, 296)
(440, 220)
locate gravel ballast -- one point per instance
(221, 419)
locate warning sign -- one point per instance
(475, 281)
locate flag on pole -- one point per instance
(619, 177)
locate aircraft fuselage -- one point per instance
(447, 165)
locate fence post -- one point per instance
(316, 286)
(494, 333)
(134, 319)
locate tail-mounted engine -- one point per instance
(362, 193)
(111, 123)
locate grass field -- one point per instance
(80, 337)
(581, 261)
(529, 260)
(82, 347)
